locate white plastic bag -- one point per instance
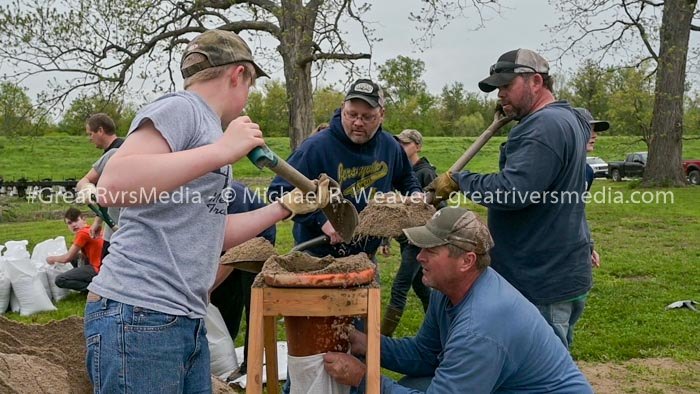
(14, 302)
(50, 247)
(223, 353)
(26, 284)
(309, 377)
(5, 288)
(52, 271)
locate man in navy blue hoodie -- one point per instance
(535, 203)
(357, 153)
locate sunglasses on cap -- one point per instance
(507, 67)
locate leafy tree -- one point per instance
(402, 79)
(16, 111)
(269, 108)
(590, 88)
(630, 102)
(326, 101)
(107, 44)
(83, 107)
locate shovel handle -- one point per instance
(478, 144)
(265, 157)
(101, 212)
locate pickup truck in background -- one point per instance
(633, 166)
(691, 168)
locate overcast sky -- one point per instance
(460, 52)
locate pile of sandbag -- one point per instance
(27, 282)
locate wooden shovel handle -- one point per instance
(474, 148)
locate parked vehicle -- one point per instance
(691, 168)
(633, 166)
(600, 167)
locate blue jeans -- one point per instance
(562, 317)
(409, 275)
(136, 350)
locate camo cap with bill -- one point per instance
(410, 135)
(452, 225)
(510, 64)
(219, 47)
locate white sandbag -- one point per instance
(52, 271)
(309, 377)
(14, 302)
(16, 249)
(221, 348)
(50, 247)
(44, 279)
(5, 289)
(26, 284)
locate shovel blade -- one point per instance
(344, 218)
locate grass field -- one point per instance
(62, 157)
(650, 253)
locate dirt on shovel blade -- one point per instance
(256, 249)
(389, 215)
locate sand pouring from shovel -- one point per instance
(340, 212)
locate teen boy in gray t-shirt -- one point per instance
(144, 317)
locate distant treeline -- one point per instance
(624, 96)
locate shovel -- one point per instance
(499, 120)
(340, 212)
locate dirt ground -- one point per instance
(649, 375)
(50, 359)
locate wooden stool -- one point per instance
(269, 302)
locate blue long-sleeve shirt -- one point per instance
(536, 209)
(379, 165)
(493, 341)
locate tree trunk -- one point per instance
(665, 142)
(296, 25)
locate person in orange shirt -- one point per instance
(80, 277)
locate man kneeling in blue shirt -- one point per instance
(479, 335)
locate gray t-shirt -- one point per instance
(165, 254)
(113, 212)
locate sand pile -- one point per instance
(387, 215)
(48, 358)
(256, 249)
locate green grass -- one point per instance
(61, 157)
(650, 257)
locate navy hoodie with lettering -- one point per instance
(379, 165)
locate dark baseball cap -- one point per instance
(452, 225)
(598, 125)
(510, 64)
(365, 89)
(220, 47)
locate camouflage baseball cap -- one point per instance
(409, 135)
(220, 47)
(510, 64)
(452, 225)
(368, 91)
(598, 125)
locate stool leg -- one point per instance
(373, 340)
(271, 354)
(255, 342)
